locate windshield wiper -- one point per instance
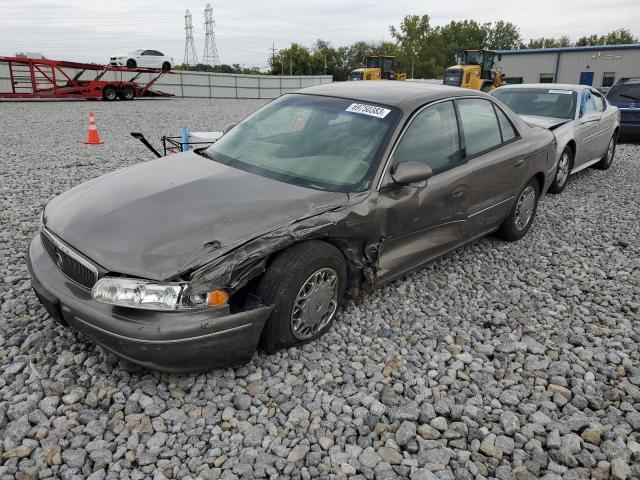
(628, 96)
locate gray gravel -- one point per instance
(498, 361)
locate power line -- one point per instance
(190, 57)
(210, 55)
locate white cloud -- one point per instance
(245, 30)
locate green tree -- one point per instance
(295, 60)
(502, 36)
(620, 37)
(413, 38)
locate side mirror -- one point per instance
(411, 172)
(228, 127)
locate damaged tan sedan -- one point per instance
(187, 262)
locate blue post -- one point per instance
(185, 139)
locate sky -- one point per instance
(246, 29)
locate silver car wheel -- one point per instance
(563, 169)
(524, 208)
(610, 149)
(315, 305)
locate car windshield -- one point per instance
(318, 142)
(137, 52)
(624, 93)
(542, 102)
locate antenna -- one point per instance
(210, 55)
(190, 57)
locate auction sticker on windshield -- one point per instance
(563, 92)
(371, 110)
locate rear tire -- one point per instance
(127, 93)
(166, 66)
(131, 63)
(607, 160)
(306, 285)
(109, 93)
(517, 224)
(565, 164)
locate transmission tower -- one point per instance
(210, 55)
(190, 57)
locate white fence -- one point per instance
(200, 84)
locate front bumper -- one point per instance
(166, 341)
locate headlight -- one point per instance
(144, 294)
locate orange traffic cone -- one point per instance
(93, 138)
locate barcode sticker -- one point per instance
(563, 92)
(371, 110)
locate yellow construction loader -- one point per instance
(475, 69)
(378, 67)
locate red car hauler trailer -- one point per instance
(42, 78)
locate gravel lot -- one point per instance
(499, 360)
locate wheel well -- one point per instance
(243, 295)
(616, 133)
(572, 145)
(540, 178)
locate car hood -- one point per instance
(544, 122)
(153, 219)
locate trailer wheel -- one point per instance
(131, 63)
(109, 93)
(127, 93)
(166, 66)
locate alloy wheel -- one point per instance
(316, 304)
(563, 169)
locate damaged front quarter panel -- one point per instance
(348, 227)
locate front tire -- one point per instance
(131, 63)
(607, 160)
(562, 172)
(166, 66)
(306, 285)
(517, 224)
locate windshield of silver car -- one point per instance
(547, 102)
(318, 142)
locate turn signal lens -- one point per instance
(216, 298)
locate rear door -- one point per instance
(424, 220)
(498, 166)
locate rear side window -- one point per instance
(599, 101)
(480, 125)
(506, 127)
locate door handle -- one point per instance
(519, 163)
(457, 193)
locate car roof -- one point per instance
(402, 94)
(547, 86)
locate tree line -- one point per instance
(422, 50)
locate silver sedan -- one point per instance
(585, 125)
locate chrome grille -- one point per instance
(68, 262)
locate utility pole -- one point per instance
(290, 65)
(190, 57)
(325, 64)
(273, 56)
(210, 55)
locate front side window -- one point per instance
(587, 103)
(432, 138)
(479, 124)
(599, 101)
(542, 102)
(317, 142)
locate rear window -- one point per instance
(547, 102)
(624, 93)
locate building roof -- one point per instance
(590, 48)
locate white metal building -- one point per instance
(600, 66)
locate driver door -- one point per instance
(424, 220)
